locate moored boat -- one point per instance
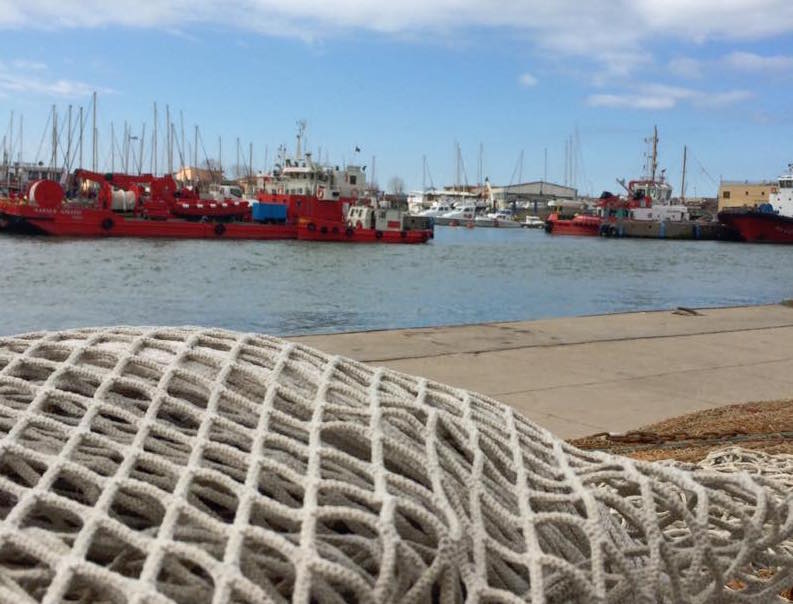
(299, 194)
(767, 223)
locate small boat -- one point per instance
(438, 208)
(533, 222)
(770, 222)
(459, 216)
(499, 220)
(582, 225)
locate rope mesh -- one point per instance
(161, 465)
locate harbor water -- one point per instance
(292, 287)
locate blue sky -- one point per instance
(402, 80)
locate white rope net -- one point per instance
(161, 465)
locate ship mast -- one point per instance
(683, 183)
(654, 156)
(301, 129)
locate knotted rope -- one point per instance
(160, 465)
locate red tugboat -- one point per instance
(567, 220)
(771, 222)
(335, 204)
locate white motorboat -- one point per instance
(501, 220)
(533, 222)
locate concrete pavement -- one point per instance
(577, 376)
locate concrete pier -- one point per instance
(577, 376)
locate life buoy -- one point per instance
(107, 224)
(349, 231)
(359, 225)
(220, 228)
(311, 226)
(378, 234)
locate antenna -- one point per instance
(301, 129)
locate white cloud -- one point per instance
(747, 61)
(612, 33)
(686, 67)
(30, 77)
(661, 97)
(527, 80)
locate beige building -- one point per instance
(737, 194)
(199, 175)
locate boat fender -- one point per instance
(220, 228)
(378, 234)
(403, 234)
(107, 224)
(349, 231)
(323, 230)
(311, 226)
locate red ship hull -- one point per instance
(93, 222)
(581, 226)
(89, 222)
(759, 227)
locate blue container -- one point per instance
(269, 212)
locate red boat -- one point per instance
(581, 225)
(759, 227)
(148, 206)
(771, 222)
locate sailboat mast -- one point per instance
(683, 183)
(54, 160)
(154, 144)
(94, 150)
(82, 132)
